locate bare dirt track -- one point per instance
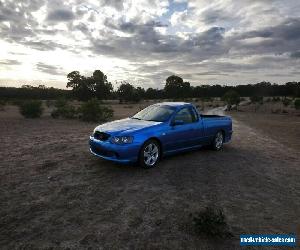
(55, 195)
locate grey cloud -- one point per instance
(212, 16)
(295, 54)
(144, 43)
(49, 69)
(287, 30)
(276, 40)
(60, 15)
(10, 62)
(44, 45)
(117, 4)
(133, 27)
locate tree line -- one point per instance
(97, 86)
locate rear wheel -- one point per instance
(218, 141)
(149, 154)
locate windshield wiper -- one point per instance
(135, 118)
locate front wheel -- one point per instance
(149, 154)
(218, 141)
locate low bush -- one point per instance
(63, 110)
(50, 103)
(31, 109)
(207, 99)
(275, 99)
(286, 101)
(257, 99)
(2, 105)
(268, 100)
(17, 102)
(297, 104)
(93, 111)
(211, 222)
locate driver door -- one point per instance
(182, 130)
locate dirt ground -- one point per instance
(55, 195)
(281, 127)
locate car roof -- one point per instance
(174, 104)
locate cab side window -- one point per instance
(185, 115)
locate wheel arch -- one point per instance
(224, 133)
(159, 143)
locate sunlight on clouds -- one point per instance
(145, 40)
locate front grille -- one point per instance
(103, 152)
(101, 136)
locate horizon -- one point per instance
(40, 84)
(143, 42)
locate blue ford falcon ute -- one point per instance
(159, 130)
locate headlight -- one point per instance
(122, 139)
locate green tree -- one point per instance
(128, 93)
(101, 86)
(176, 88)
(84, 88)
(173, 85)
(81, 86)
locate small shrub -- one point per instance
(256, 99)
(276, 99)
(211, 222)
(63, 110)
(297, 104)
(2, 105)
(31, 109)
(286, 102)
(207, 99)
(50, 103)
(93, 111)
(268, 100)
(17, 102)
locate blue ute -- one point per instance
(159, 130)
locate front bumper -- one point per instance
(127, 153)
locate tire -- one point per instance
(149, 154)
(218, 141)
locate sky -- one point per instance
(145, 41)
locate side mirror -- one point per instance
(177, 122)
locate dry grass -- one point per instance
(55, 194)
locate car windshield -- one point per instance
(157, 113)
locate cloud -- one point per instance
(10, 62)
(201, 40)
(49, 69)
(295, 54)
(60, 15)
